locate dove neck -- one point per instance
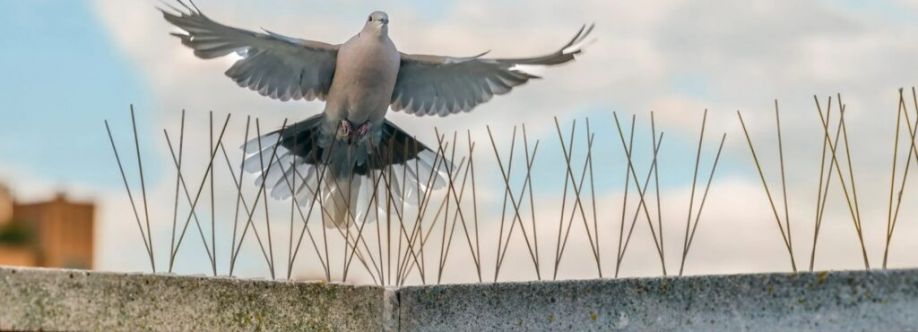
(378, 31)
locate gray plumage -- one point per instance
(359, 81)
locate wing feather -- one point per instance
(440, 85)
(272, 64)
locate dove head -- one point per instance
(377, 21)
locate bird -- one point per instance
(335, 155)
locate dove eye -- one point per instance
(370, 19)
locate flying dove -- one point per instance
(350, 143)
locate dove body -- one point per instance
(361, 90)
(337, 154)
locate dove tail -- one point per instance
(351, 182)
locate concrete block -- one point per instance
(46, 299)
(835, 301)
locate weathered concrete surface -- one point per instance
(42, 299)
(837, 301)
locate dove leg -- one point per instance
(346, 128)
(363, 129)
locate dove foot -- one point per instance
(348, 131)
(346, 128)
(363, 129)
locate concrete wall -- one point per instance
(40, 299)
(840, 301)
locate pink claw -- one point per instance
(346, 127)
(364, 129)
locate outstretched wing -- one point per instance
(274, 65)
(430, 84)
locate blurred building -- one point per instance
(6, 205)
(54, 233)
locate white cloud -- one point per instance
(676, 58)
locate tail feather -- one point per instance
(342, 201)
(254, 145)
(306, 164)
(278, 170)
(366, 200)
(261, 157)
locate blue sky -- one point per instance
(66, 74)
(64, 77)
(69, 65)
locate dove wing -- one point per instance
(442, 85)
(274, 65)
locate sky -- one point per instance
(71, 65)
